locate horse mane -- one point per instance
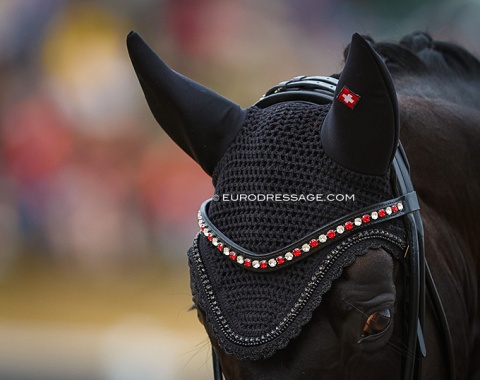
(418, 54)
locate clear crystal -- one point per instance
(340, 229)
(358, 221)
(256, 264)
(400, 206)
(215, 241)
(272, 262)
(322, 238)
(240, 259)
(305, 248)
(388, 210)
(374, 215)
(289, 256)
(226, 251)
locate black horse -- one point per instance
(292, 278)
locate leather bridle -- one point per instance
(418, 278)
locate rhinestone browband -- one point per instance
(309, 244)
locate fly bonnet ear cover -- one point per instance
(260, 268)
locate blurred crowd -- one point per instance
(86, 176)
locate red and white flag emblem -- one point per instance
(348, 97)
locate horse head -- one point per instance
(301, 267)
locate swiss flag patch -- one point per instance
(348, 97)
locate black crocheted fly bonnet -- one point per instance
(302, 187)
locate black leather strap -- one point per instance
(441, 318)
(314, 89)
(421, 279)
(415, 281)
(217, 369)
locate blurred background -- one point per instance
(97, 206)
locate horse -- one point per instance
(293, 279)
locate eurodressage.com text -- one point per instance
(284, 197)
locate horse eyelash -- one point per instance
(356, 308)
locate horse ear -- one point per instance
(361, 130)
(200, 121)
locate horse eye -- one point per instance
(377, 323)
(199, 315)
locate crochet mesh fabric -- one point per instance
(279, 151)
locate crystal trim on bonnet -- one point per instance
(320, 238)
(305, 295)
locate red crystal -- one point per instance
(233, 255)
(263, 264)
(394, 208)
(210, 237)
(297, 252)
(348, 225)
(247, 262)
(220, 247)
(381, 213)
(366, 218)
(280, 260)
(313, 243)
(202, 228)
(331, 234)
